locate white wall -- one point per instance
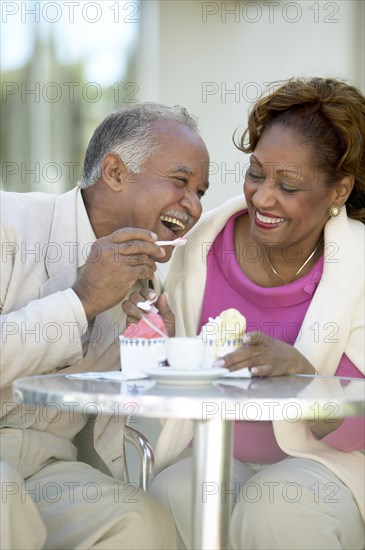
(215, 58)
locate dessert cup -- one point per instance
(137, 354)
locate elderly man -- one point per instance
(68, 262)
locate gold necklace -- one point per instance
(299, 270)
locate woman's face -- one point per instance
(286, 195)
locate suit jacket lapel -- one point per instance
(62, 258)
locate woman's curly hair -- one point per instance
(330, 117)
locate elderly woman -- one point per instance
(297, 275)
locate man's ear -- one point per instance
(113, 171)
(343, 189)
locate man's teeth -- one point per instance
(175, 221)
(266, 219)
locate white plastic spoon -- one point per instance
(176, 242)
(146, 305)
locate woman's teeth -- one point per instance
(266, 219)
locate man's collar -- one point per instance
(84, 232)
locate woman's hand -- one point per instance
(265, 356)
(134, 313)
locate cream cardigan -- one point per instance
(337, 303)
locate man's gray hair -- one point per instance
(129, 133)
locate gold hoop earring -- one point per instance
(334, 209)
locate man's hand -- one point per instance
(134, 313)
(113, 265)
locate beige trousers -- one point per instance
(293, 504)
(70, 505)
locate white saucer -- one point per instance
(167, 375)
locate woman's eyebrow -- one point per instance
(281, 171)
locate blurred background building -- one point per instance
(65, 65)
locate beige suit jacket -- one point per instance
(45, 239)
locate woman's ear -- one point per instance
(343, 189)
(113, 171)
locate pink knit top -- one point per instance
(277, 312)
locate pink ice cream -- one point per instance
(143, 330)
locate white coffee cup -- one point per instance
(139, 354)
(185, 353)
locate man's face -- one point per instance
(166, 196)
